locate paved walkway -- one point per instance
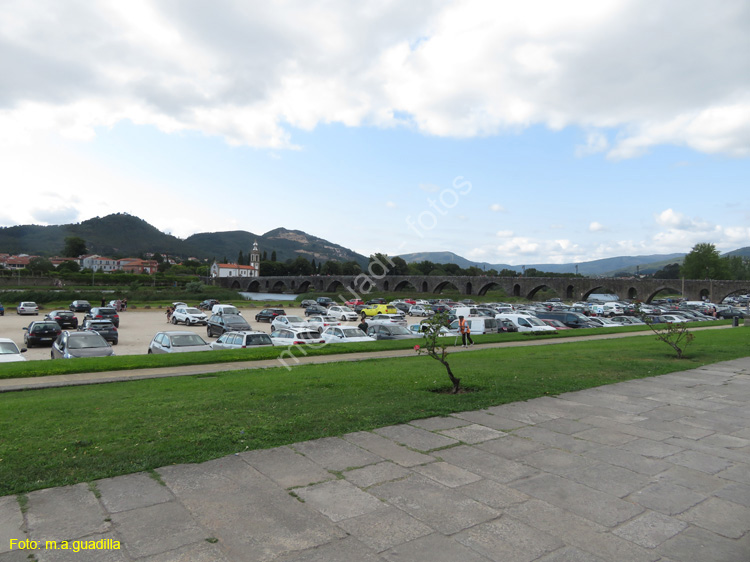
(652, 469)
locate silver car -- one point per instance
(177, 342)
(72, 345)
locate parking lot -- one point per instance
(137, 328)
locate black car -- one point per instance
(104, 313)
(41, 332)
(80, 306)
(402, 306)
(64, 318)
(208, 304)
(506, 326)
(307, 302)
(104, 328)
(220, 323)
(376, 301)
(316, 310)
(268, 314)
(381, 332)
(324, 301)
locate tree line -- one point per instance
(704, 262)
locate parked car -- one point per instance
(225, 309)
(401, 306)
(287, 336)
(320, 323)
(41, 332)
(208, 304)
(80, 306)
(284, 321)
(105, 328)
(64, 318)
(628, 320)
(27, 307)
(345, 334)
(104, 313)
(376, 301)
(556, 324)
(354, 302)
(316, 309)
(324, 301)
(9, 352)
(731, 312)
(382, 332)
(386, 319)
(605, 322)
(220, 323)
(528, 324)
(241, 340)
(72, 345)
(419, 310)
(268, 314)
(177, 342)
(189, 316)
(505, 326)
(308, 302)
(381, 309)
(477, 325)
(343, 313)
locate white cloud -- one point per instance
(596, 227)
(247, 72)
(390, 204)
(497, 208)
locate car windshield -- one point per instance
(535, 321)
(192, 311)
(86, 341)
(8, 347)
(101, 325)
(294, 319)
(346, 309)
(399, 331)
(353, 333)
(187, 340)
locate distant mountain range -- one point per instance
(121, 234)
(603, 267)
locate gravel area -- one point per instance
(137, 328)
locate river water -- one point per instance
(267, 296)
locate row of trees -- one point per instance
(704, 262)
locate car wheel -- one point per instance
(114, 342)
(174, 320)
(51, 355)
(149, 351)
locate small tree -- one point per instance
(675, 335)
(436, 347)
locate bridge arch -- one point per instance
(335, 286)
(570, 292)
(721, 294)
(236, 285)
(659, 290)
(632, 293)
(279, 287)
(492, 286)
(253, 286)
(440, 287)
(516, 290)
(468, 288)
(304, 286)
(530, 295)
(405, 285)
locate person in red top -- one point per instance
(463, 328)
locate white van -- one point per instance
(225, 309)
(477, 325)
(529, 324)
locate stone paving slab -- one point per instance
(596, 476)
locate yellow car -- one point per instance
(375, 309)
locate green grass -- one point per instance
(76, 434)
(45, 367)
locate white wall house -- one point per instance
(233, 270)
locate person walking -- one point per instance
(463, 328)
(169, 314)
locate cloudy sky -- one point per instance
(504, 131)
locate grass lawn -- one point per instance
(61, 436)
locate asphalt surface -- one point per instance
(644, 470)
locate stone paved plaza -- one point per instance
(645, 470)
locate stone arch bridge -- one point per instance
(568, 288)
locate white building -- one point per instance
(234, 270)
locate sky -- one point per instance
(506, 132)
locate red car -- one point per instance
(354, 302)
(556, 324)
(410, 301)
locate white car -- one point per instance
(528, 324)
(9, 351)
(605, 322)
(291, 322)
(320, 323)
(386, 319)
(241, 340)
(628, 321)
(345, 334)
(343, 313)
(189, 316)
(284, 337)
(27, 307)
